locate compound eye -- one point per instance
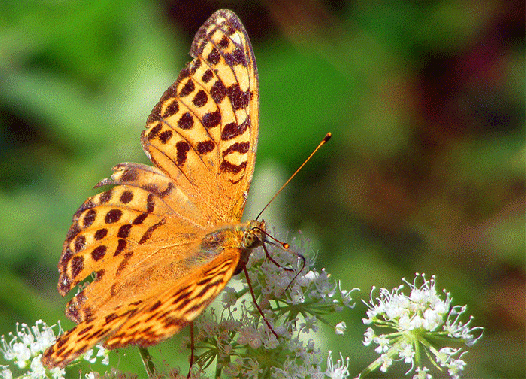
(250, 239)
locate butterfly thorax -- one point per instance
(244, 237)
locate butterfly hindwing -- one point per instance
(148, 322)
(167, 313)
(83, 337)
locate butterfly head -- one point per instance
(255, 234)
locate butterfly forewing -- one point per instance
(165, 239)
(203, 133)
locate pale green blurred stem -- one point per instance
(147, 361)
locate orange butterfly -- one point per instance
(166, 239)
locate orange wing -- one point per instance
(148, 322)
(203, 133)
(143, 238)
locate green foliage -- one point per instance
(425, 171)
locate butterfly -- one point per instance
(164, 241)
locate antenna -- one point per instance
(323, 141)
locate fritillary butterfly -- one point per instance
(165, 239)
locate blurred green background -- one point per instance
(425, 171)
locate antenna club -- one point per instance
(327, 137)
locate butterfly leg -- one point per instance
(256, 303)
(191, 349)
(269, 257)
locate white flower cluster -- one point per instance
(25, 351)
(239, 337)
(275, 340)
(418, 320)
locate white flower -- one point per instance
(309, 324)
(323, 286)
(338, 371)
(249, 336)
(229, 297)
(416, 322)
(27, 344)
(422, 373)
(26, 347)
(385, 362)
(6, 373)
(383, 344)
(369, 336)
(37, 369)
(20, 352)
(406, 352)
(340, 328)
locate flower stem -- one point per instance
(147, 361)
